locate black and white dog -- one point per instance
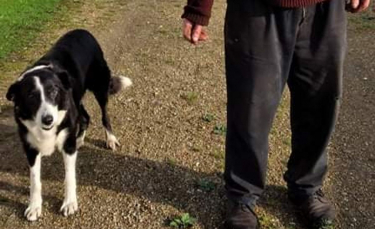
(49, 111)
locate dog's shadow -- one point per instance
(161, 182)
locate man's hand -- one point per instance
(356, 6)
(193, 32)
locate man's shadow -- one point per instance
(275, 202)
(161, 182)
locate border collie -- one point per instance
(49, 112)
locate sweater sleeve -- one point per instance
(198, 11)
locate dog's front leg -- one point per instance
(34, 209)
(70, 205)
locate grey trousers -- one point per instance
(266, 48)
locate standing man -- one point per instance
(270, 43)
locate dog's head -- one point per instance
(40, 97)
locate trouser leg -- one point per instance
(259, 45)
(315, 83)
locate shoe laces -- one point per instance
(319, 195)
(245, 207)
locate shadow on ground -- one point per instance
(161, 182)
(275, 201)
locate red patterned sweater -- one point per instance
(199, 11)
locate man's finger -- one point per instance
(363, 5)
(186, 29)
(196, 33)
(354, 4)
(203, 36)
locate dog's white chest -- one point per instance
(47, 142)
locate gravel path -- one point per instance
(167, 145)
(353, 173)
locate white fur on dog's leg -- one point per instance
(34, 210)
(69, 208)
(81, 140)
(32, 213)
(112, 141)
(70, 205)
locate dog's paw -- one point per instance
(33, 212)
(69, 207)
(112, 142)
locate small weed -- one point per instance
(218, 155)
(267, 222)
(325, 225)
(208, 117)
(184, 221)
(292, 225)
(206, 185)
(190, 97)
(287, 142)
(171, 161)
(220, 130)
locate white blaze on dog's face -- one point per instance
(47, 114)
(39, 99)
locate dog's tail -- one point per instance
(118, 83)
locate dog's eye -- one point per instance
(31, 95)
(52, 92)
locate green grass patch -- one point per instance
(267, 222)
(218, 154)
(364, 21)
(220, 130)
(21, 21)
(206, 185)
(208, 117)
(171, 161)
(183, 221)
(287, 142)
(190, 97)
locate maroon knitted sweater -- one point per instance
(199, 11)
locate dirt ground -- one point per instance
(353, 155)
(167, 146)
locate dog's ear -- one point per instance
(12, 91)
(64, 78)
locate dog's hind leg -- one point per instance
(102, 98)
(34, 210)
(83, 125)
(102, 85)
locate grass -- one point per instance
(206, 185)
(364, 21)
(21, 21)
(190, 97)
(220, 130)
(208, 117)
(171, 161)
(183, 221)
(218, 154)
(267, 222)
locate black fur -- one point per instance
(76, 63)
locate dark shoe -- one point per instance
(319, 211)
(240, 216)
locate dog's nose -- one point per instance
(47, 120)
